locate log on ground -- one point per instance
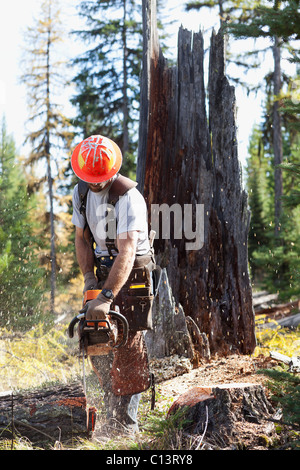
(59, 413)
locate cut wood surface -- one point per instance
(59, 413)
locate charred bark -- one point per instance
(190, 159)
(45, 416)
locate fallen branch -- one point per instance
(292, 362)
(278, 310)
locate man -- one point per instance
(125, 373)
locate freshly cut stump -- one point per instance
(59, 413)
(223, 410)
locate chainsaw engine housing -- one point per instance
(98, 337)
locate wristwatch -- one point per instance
(108, 294)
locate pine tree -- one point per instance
(21, 276)
(108, 79)
(281, 18)
(257, 186)
(43, 75)
(227, 9)
(279, 257)
(269, 21)
(274, 262)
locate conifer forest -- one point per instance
(89, 75)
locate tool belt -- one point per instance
(135, 299)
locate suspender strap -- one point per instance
(82, 191)
(119, 187)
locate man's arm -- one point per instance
(85, 257)
(123, 263)
(84, 251)
(98, 308)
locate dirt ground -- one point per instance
(233, 368)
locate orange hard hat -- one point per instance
(96, 159)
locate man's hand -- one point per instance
(90, 281)
(98, 308)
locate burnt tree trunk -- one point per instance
(188, 160)
(45, 416)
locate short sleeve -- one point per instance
(131, 212)
(77, 218)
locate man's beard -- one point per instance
(97, 187)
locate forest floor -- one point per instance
(40, 354)
(231, 369)
(175, 377)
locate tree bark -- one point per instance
(50, 180)
(48, 415)
(125, 84)
(224, 412)
(277, 136)
(188, 161)
(170, 334)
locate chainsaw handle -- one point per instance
(113, 314)
(123, 320)
(73, 323)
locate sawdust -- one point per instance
(175, 375)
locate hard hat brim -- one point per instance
(95, 179)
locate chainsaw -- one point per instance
(98, 337)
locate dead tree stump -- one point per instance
(222, 410)
(48, 415)
(188, 160)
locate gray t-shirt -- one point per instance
(131, 215)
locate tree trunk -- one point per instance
(224, 413)
(125, 85)
(50, 180)
(277, 136)
(47, 415)
(170, 334)
(192, 166)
